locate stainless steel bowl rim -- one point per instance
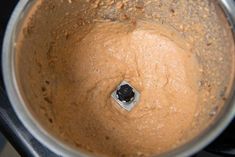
(55, 145)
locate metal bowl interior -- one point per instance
(21, 106)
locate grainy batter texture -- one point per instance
(164, 73)
(73, 54)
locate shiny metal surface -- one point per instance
(127, 105)
(229, 8)
(63, 150)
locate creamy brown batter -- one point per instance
(164, 73)
(77, 58)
